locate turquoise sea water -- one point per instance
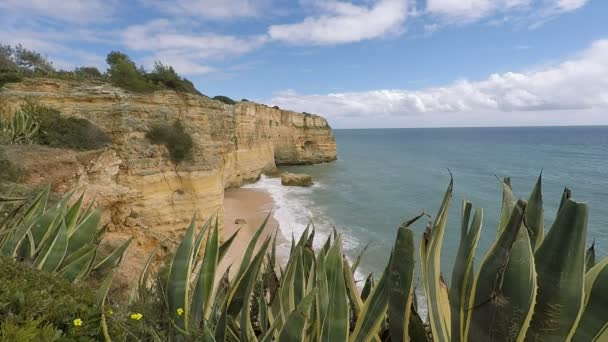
(384, 176)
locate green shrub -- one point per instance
(9, 77)
(166, 77)
(224, 99)
(174, 137)
(9, 172)
(124, 74)
(66, 132)
(88, 72)
(43, 306)
(244, 100)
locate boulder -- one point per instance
(296, 179)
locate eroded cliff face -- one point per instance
(145, 194)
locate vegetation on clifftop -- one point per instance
(18, 62)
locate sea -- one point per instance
(385, 176)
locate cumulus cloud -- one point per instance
(580, 83)
(184, 51)
(74, 11)
(344, 22)
(211, 9)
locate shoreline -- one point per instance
(246, 209)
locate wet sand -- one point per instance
(245, 209)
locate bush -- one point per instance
(165, 76)
(9, 77)
(174, 137)
(224, 99)
(88, 72)
(124, 74)
(67, 132)
(8, 171)
(244, 100)
(38, 306)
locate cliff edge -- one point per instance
(144, 194)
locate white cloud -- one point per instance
(344, 22)
(578, 84)
(185, 50)
(211, 9)
(462, 11)
(74, 11)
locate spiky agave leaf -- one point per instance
(85, 231)
(178, 282)
(334, 321)
(498, 312)
(373, 312)
(534, 216)
(463, 270)
(294, 327)
(399, 282)
(593, 325)
(590, 257)
(560, 264)
(53, 251)
(430, 251)
(203, 292)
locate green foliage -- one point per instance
(511, 296)
(165, 76)
(124, 73)
(224, 99)
(18, 128)
(61, 239)
(176, 140)
(88, 72)
(56, 130)
(39, 306)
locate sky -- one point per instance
(360, 64)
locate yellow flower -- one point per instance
(180, 311)
(110, 312)
(136, 316)
(77, 322)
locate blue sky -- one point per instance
(366, 63)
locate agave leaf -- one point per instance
(251, 247)
(566, 194)
(45, 226)
(203, 292)
(142, 281)
(113, 259)
(226, 245)
(102, 292)
(11, 245)
(334, 321)
(594, 321)
(534, 217)
(84, 232)
(351, 290)
(497, 311)
(358, 259)
(439, 314)
(37, 207)
(508, 203)
(373, 312)
(367, 287)
(293, 329)
(241, 297)
(590, 257)
(178, 283)
(72, 214)
(560, 264)
(77, 267)
(53, 251)
(399, 283)
(463, 271)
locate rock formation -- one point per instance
(143, 192)
(296, 179)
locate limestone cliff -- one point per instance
(144, 193)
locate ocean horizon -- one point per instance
(385, 176)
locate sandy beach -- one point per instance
(245, 209)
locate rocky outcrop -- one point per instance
(296, 179)
(145, 194)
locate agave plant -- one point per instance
(63, 238)
(18, 128)
(528, 287)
